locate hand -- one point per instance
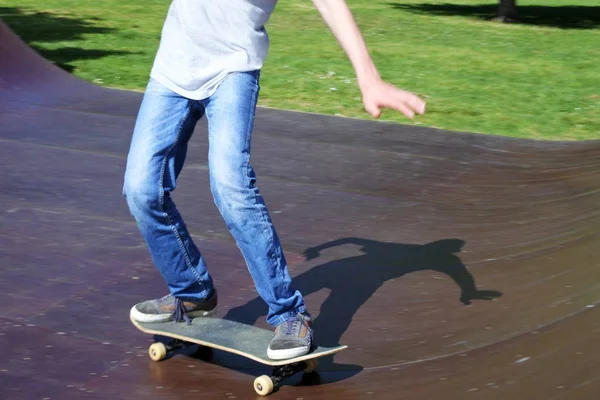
(378, 94)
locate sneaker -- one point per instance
(170, 308)
(293, 338)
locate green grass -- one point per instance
(539, 79)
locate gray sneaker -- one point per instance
(293, 338)
(171, 308)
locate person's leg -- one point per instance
(158, 148)
(230, 113)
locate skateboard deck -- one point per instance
(233, 337)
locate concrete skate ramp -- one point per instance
(453, 265)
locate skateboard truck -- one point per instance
(263, 385)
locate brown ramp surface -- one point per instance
(454, 266)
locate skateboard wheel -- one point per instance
(157, 351)
(311, 365)
(263, 385)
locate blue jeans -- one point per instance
(158, 149)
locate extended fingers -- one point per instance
(399, 105)
(410, 100)
(373, 110)
(388, 96)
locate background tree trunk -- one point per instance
(507, 11)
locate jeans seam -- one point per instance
(188, 261)
(266, 231)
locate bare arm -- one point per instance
(376, 93)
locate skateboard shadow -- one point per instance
(353, 280)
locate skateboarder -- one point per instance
(208, 63)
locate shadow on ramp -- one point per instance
(353, 280)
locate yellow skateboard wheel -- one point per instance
(311, 365)
(263, 385)
(157, 351)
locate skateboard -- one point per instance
(233, 337)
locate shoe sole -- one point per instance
(287, 353)
(149, 318)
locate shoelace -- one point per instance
(292, 326)
(179, 314)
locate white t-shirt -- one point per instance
(205, 40)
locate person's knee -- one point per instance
(141, 197)
(232, 188)
(226, 182)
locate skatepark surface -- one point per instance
(453, 265)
